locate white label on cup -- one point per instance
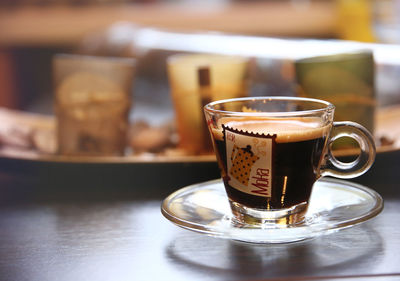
(249, 161)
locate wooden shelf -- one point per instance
(65, 26)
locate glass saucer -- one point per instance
(334, 205)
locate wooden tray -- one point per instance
(21, 124)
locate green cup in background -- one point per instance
(346, 80)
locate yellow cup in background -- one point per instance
(197, 79)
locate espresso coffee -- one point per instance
(270, 164)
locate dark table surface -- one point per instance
(103, 222)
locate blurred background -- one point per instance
(274, 32)
(32, 31)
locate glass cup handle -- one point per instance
(334, 167)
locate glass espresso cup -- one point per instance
(271, 151)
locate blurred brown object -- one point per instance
(70, 3)
(387, 125)
(8, 88)
(144, 138)
(60, 25)
(27, 131)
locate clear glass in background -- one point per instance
(92, 104)
(196, 80)
(271, 150)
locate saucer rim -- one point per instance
(201, 228)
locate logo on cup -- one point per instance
(249, 161)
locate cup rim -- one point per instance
(211, 58)
(325, 107)
(338, 57)
(92, 58)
